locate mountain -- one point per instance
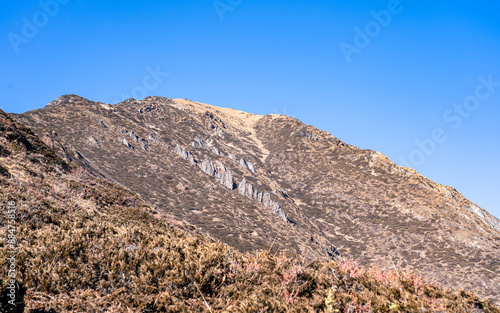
(85, 244)
(273, 183)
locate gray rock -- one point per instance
(266, 200)
(249, 190)
(185, 154)
(144, 144)
(242, 187)
(208, 167)
(243, 163)
(225, 176)
(227, 179)
(251, 167)
(259, 197)
(134, 137)
(93, 142)
(276, 207)
(125, 142)
(199, 143)
(232, 156)
(215, 150)
(153, 139)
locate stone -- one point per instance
(185, 154)
(227, 179)
(207, 166)
(251, 167)
(153, 139)
(144, 144)
(249, 190)
(232, 156)
(134, 137)
(243, 163)
(199, 143)
(125, 142)
(242, 187)
(266, 200)
(215, 150)
(93, 142)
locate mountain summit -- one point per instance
(271, 182)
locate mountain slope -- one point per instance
(268, 182)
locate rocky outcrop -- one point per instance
(215, 150)
(93, 142)
(134, 137)
(308, 135)
(207, 166)
(243, 163)
(153, 139)
(232, 156)
(186, 155)
(247, 189)
(125, 142)
(225, 176)
(247, 165)
(144, 144)
(199, 143)
(251, 168)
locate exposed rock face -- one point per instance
(186, 155)
(199, 143)
(215, 150)
(247, 189)
(355, 200)
(243, 163)
(153, 139)
(308, 135)
(93, 142)
(242, 186)
(251, 167)
(225, 176)
(125, 142)
(207, 166)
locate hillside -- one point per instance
(88, 245)
(272, 183)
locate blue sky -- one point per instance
(416, 80)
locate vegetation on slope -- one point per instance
(86, 245)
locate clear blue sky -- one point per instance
(417, 61)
